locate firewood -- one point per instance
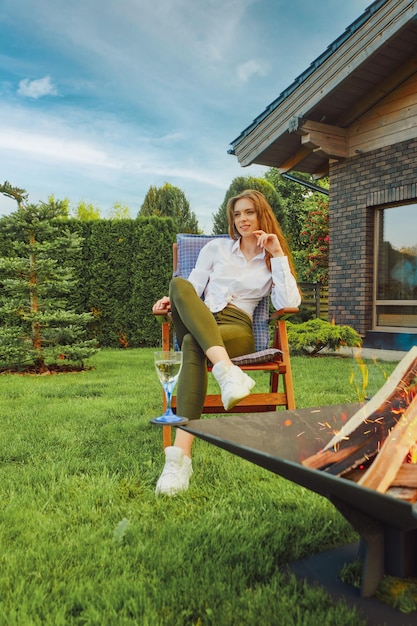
(403, 493)
(360, 447)
(406, 476)
(402, 437)
(324, 458)
(400, 378)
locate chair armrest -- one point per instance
(282, 313)
(163, 317)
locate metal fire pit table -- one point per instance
(279, 441)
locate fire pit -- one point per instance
(367, 469)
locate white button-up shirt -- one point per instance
(225, 277)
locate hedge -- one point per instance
(124, 267)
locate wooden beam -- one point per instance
(294, 160)
(326, 139)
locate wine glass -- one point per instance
(168, 366)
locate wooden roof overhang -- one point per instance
(306, 126)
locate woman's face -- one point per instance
(245, 217)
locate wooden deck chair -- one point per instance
(273, 358)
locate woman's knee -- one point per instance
(191, 347)
(179, 285)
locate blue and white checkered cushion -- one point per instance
(189, 247)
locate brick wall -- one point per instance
(358, 185)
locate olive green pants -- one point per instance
(198, 329)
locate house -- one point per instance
(352, 116)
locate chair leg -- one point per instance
(166, 341)
(288, 383)
(166, 345)
(281, 342)
(166, 436)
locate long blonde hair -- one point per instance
(267, 222)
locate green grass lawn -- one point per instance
(84, 540)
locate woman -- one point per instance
(234, 275)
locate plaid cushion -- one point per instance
(189, 247)
(257, 357)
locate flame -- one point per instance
(390, 411)
(363, 369)
(413, 453)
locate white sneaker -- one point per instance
(176, 474)
(234, 383)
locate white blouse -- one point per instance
(225, 277)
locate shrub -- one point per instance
(315, 335)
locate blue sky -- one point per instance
(100, 99)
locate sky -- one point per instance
(102, 99)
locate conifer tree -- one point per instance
(38, 327)
(239, 184)
(170, 201)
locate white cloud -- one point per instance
(246, 70)
(150, 92)
(54, 148)
(37, 88)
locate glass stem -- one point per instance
(168, 394)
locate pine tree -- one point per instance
(239, 184)
(170, 201)
(38, 327)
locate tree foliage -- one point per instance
(292, 196)
(170, 201)
(315, 236)
(306, 223)
(86, 211)
(20, 195)
(119, 211)
(239, 184)
(38, 327)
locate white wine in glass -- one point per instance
(168, 366)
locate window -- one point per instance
(396, 268)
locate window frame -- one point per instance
(378, 211)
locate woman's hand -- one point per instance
(269, 242)
(162, 306)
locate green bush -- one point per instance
(315, 335)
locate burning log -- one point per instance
(381, 474)
(380, 436)
(401, 378)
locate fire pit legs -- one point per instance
(371, 552)
(401, 553)
(383, 550)
(279, 441)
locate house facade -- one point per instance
(352, 116)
